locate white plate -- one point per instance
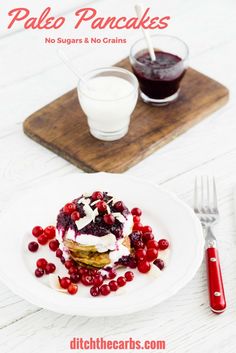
(169, 217)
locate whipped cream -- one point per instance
(120, 251)
(102, 244)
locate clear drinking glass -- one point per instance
(159, 80)
(108, 97)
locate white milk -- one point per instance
(108, 102)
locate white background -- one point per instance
(31, 75)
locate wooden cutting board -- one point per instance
(61, 125)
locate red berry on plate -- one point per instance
(59, 253)
(113, 286)
(152, 244)
(75, 216)
(54, 244)
(64, 282)
(50, 268)
(74, 278)
(152, 254)
(119, 206)
(109, 219)
(105, 289)
(94, 291)
(33, 246)
(98, 280)
(136, 219)
(137, 226)
(69, 264)
(41, 263)
(37, 231)
(97, 195)
(140, 254)
(72, 289)
(129, 276)
(50, 232)
(121, 281)
(101, 206)
(147, 236)
(73, 270)
(83, 271)
(136, 211)
(87, 280)
(43, 239)
(159, 263)
(112, 274)
(144, 266)
(147, 229)
(39, 272)
(163, 244)
(138, 244)
(69, 208)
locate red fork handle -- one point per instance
(216, 287)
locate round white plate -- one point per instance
(169, 217)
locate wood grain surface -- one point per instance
(61, 126)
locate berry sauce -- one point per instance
(159, 79)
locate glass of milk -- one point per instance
(108, 97)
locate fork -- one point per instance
(205, 207)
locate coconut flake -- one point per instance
(119, 217)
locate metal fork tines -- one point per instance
(205, 200)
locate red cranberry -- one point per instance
(59, 253)
(140, 254)
(144, 266)
(147, 229)
(152, 254)
(137, 226)
(105, 289)
(147, 236)
(101, 206)
(152, 244)
(74, 278)
(136, 211)
(69, 208)
(65, 282)
(63, 260)
(73, 270)
(138, 244)
(129, 276)
(87, 280)
(68, 264)
(83, 271)
(163, 244)
(113, 286)
(93, 272)
(94, 291)
(136, 219)
(33, 246)
(119, 206)
(50, 232)
(37, 231)
(121, 281)
(98, 280)
(75, 216)
(72, 289)
(97, 195)
(159, 263)
(39, 272)
(50, 268)
(41, 263)
(54, 244)
(43, 239)
(109, 219)
(112, 274)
